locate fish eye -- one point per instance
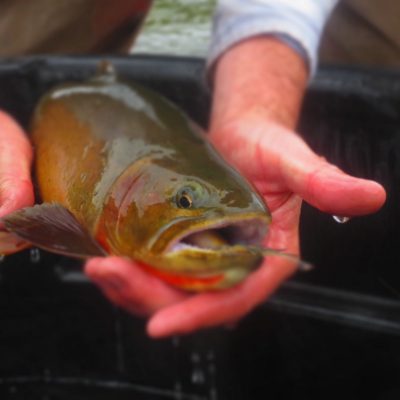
(184, 198)
(192, 195)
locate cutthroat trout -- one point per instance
(123, 171)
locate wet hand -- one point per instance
(255, 109)
(16, 189)
(283, 177)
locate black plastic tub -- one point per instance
(331, 333)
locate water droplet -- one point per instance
(2, 257)
(340, 220)
(198, 377)
(35, 255)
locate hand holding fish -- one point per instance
(16, 189)
(255, 132)
(255, 110)
(151, 201)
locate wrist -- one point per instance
(259, 75)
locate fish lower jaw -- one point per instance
(230, 262)
(200, 269)
(213, 257)
(209, 281)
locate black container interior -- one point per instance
(333, 332)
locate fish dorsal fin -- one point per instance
(52, 227)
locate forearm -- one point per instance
(260, 75)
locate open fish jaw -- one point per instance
(222, 234)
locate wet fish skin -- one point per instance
(140, 176)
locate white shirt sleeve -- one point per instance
(298, 22)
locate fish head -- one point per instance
(194, 227)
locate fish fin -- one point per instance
(301, 265)
(11, 243)
(52, 227)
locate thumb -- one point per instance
(325, 186)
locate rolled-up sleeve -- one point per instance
(298, 22)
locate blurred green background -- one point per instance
(176, 27)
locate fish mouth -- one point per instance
(223, 234)
(212, 255)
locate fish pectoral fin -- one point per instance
(52, 227)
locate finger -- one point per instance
(126, 284)
(212, 309)
(325, 186)
(16, 189)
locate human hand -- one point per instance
(255, 110)
(276, 176)
(16, 189)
